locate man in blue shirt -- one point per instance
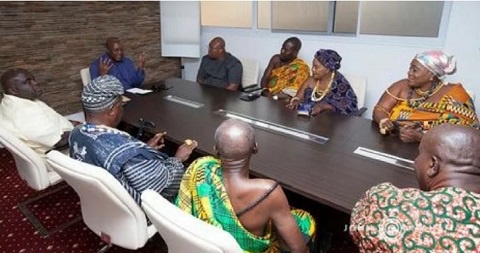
(114, 63)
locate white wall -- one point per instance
(381, 62)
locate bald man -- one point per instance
(114, 63)
(219, 68)
(285, 72)
(443, 215)
(252, 205)
(29, 119)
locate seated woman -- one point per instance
(414, 105)
(327, 89)
(254, 211)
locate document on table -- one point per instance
(138, 91)
(125, 99)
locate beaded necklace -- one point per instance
(425, 94)
(318, 94)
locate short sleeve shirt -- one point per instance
(220, 73)
(389, 219)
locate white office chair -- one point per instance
(471, 94)
(80, 116)
(359, 85)
(251, 70)
(184, 233)
(107, 208)
(31, 166)
(85, 74)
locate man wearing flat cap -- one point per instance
(136, 165)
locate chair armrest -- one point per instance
(361, 111)
(59, 148)
(252, 87)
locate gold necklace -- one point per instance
(421, 92)
(439, 86)
(318, 94)
(425, 93)
(414, 102)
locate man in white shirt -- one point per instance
(28, 118)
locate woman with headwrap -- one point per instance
(422, 101)
(326, 90)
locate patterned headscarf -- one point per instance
(329, 58)
(101, 93)
(437, 62)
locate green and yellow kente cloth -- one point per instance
(290, 76)
(455, 107)
(203, 194)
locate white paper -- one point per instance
(139, 91)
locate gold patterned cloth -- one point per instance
(290, 76)
(389, 219)
(454, 107)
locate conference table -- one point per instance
(330, 159)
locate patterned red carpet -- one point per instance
(61, 207)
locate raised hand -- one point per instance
(141, 60)
(105, 66)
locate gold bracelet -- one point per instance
(380, 108)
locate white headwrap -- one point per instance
(438, 62)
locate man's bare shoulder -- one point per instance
(263, 183)
(275, 61)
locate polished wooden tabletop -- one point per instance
(330, 173)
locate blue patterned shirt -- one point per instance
(133, 163)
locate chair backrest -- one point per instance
(251, 69)
(31, 167)
(359, 85)
(107, 208)
(471, 94)
(85, 74)
(182, 232)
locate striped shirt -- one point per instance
(134, 164)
